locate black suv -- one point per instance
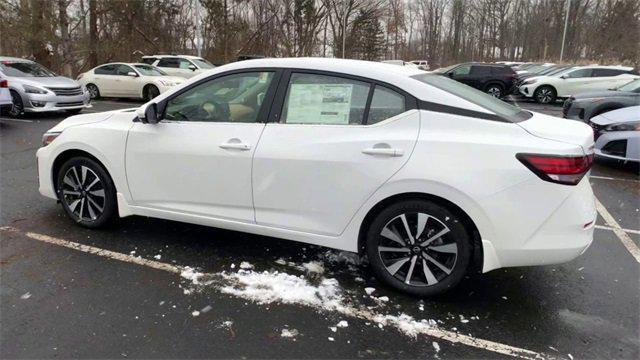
(494, 79)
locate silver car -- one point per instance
(617, 134)
(34, 88)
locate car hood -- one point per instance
(603, 93)
(84, 119)
(558, 129)
(631, 113)
(55, 81)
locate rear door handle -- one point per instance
(383, 151)
(235, 146)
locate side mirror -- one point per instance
(450, 74)
(132, 74)
(564, 76)
(193, 68)
(148, 114)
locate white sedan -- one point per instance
(140, 81)
(428, 177)
(576, 80)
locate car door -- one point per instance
(327, 151)
(125, 84)
(463, 74)
(197, 160)
(103, 78)
(574, 82)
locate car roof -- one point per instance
(616, 67)
(14, 59)
(171, 56)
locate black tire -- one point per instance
(545, 94)
(440, 219)
(150, 92)
(17, 109)
(94, 92)
(495, 90)
(73, 111)
(99, 211)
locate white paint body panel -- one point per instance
(313, 183)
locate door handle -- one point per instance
(235, 146)
(383, 151)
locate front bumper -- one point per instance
(526, 90)
(44, 161)
(573, 111)
(618, 145)
(52, 102)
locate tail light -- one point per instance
(4, 84)
(568, 170)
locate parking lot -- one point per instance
(127, 292)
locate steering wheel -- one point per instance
(217, 111)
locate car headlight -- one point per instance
(48, 137)
(34, 90)
(627, 126)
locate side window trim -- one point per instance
(267, 103)
(278, 103)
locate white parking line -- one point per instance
(16, 120)
(603, 227)
(611, 178)
(619, 231)
(366, 315)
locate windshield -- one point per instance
(25, 69)
(148, 70)
(630, 86)
(444, 69)
(497, 106)
(559, 70)
(203, 64)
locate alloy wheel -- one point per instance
(83, 193)
(17, 108)
(93, 91)
(494, 91)
(415, 249)
(544, 95)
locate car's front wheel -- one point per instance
(545, 94)
(150, 92)
(495, 90)
(17, 107)
(86, 192)
(419, 246)
(94, 92)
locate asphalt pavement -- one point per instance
(124, 292)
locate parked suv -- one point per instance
(34, 88)
(494, 79)
(579, 79)
(184, 66)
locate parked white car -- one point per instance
(5, 96)
(140, 81)
(421, 64)
(184, 66)
(546, 89)
(427, 176)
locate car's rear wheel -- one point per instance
(94, 92)
(86, 192)
(545, 94)
(17, 108)
(495, 90)
(419, 246)
(150, 92)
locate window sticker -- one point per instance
(319, 103)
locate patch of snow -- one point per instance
(157, 257)
(369, 290)
(342, 324)
(281, 262)
(245, 265)
(233, 266)
(333, 328)
(383, 298)
(206, 309)
(358, 279)
(191, 275)
(313, 267)
(504, 298)
(25, 296)
(195, 313)
(330, 338)
(436, 346)
(289, 333)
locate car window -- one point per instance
(480, 70)
(149, 70)
(149, 60)
(322, 99)
(385, 103)
(105, 70)
(25, 69)
(462, 70)
(579, 73)
(184, 64)
(230, 98)
(630, 86)
(169, 62)
(497, 106)
(123, 70)
(607, 72)
(203, 64)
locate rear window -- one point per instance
(608, 72)
(149, 60)
(504, 110)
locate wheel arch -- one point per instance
(605, 108)
(146, 86)
(71, 153)
(477, 256)
(495, 82)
